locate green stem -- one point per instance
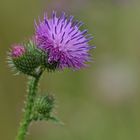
(32, 90)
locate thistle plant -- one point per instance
(57, 43)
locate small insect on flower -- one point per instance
(63, 42)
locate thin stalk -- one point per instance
(32, 90)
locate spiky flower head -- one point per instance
(27, 59)
(63, 42)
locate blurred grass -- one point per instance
(100, 102)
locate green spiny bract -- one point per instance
(31, 62)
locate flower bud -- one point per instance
(27, 59)
(44, 104)
(43, 107)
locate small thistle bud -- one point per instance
(27, 59)
(44, 104)
(43, 107)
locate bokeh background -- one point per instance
(101, 102)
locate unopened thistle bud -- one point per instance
(43, 107)
(27, 59)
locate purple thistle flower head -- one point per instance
(17, 51)
(61, 39)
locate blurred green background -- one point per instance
(101, 102)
